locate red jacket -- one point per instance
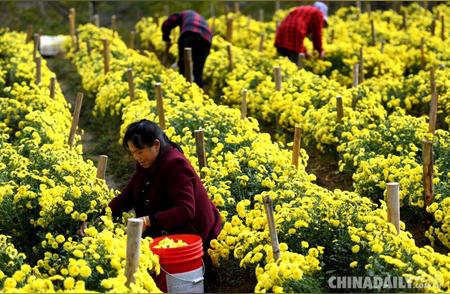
(171, 192)
(299, 23)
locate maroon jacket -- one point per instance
(171, 192)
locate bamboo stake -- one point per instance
(160, 106)
(88, 47)
(113, 25)
(261, 15)
(36, 39)
(393, 205)
(296, 146)
(29, 33)
(230, 58)
(101, 166)
(261, 42)
(361, 64)
(374, 33)
(427, 157)
(277, 76)
(277, 5)
(200, 147)
(52, 87)
(229, 34)
(213, 26)
(382, 46)
(188, 64)
(134, 233)
(339, 109)
(422, 53)
(355, 75)
(106, 55)
(132, 39)
(442, 28)
(130, 83)
(166, 10)
(358, 11)
(433, 103)
(212, 11)
(244, 104)
(272, 230)
(300, 60)
(76, 117)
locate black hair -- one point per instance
(144, 133)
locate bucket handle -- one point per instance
(196, 281)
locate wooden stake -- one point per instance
(261, 42)
(229, 34)
(332, 36)
(272, 230)
(230, 58)
(106, 55)
(277, 5)
(29, 33)
(101, 167)
(393, 205)
(427, 158)
(134, 233)
(422, 53)
(188, 64)
(244, 104)
(200, 146)
(296, 146)
(36, 39)
(261, 15)
(300, 60)
(132, 39)
(358, 7)
(339, 109)
(130, 83)
(236, 7)
(277, 77)
(433, 103)
(361, 65)
(433, 26)
(442, 28)
(355, 75)
(88, 47)
(76, 117)
(166, 10)
(374, 34)
(113, 24)
(213, 26)
(38, 70)
(72, 18)
(382, 47)
(160, 106)
(404, 23)
(211, 10)
(96, 20)
(52, 87)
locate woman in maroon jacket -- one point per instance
(165, 190)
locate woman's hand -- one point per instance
(145, 222)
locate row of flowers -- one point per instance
(244, 166)
(47, 190)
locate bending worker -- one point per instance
(299, 23)
(195, 34)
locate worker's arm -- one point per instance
(170, 23)
(316, 27)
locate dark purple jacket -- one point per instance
(189, 21)
(171, 192)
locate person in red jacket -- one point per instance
(165, 191)
(301, 22)
(195, 34)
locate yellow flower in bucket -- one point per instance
(170, 243)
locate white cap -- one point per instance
(323, 8)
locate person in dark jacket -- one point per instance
(299, 23)
(165, 191)
(195, 34)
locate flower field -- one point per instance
(48, 188)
